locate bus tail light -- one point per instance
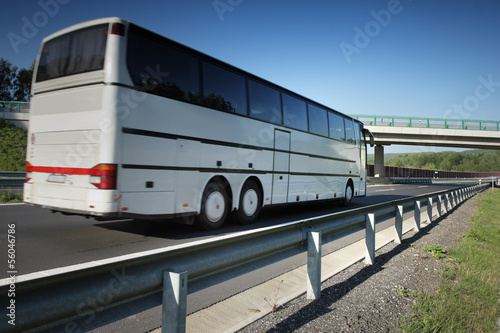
(103, 176)
(29, 167)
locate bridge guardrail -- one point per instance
(418, 122)
(87, 296)
(8, 106)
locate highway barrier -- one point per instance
(12, 179)
(85, 296)
(408, 180)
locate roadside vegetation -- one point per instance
(469, 161)
(10, 197)
(12, 147)
(467, 298)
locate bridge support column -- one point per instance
(379, 162)
(379, 169)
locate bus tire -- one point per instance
(250, 203)
(214, 207)
(348, 195)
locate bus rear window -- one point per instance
(73, 53)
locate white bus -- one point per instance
(129, 124)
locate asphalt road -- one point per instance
(45, 240)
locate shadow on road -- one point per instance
(269, 216)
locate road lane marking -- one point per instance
(391, 189)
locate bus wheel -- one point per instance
(214, 207)
(349, 194)
(250, 203)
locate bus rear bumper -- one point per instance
(80, 201)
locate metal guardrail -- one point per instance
(465, 124)
(86, 296)
(12, 179)
(12, 174)
(409, 180)
(12, 182)
(8, 106)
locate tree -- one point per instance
(15, 85)
(7, 77)
(22, 84)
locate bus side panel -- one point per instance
(312, 187)
(187, 144)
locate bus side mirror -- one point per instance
(372, 137)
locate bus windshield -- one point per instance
(76, 52)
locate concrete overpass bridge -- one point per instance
(456, 133)
(16, 113)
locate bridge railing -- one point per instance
(86, 296)
(417, 122)
(22, 107)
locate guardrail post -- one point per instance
(418, 215)
(446, 203)
(314, 265)
(174, 302)
(429, 210)
(398, 226)
(370, 239)
(439, 205)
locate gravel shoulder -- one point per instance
(375, 298)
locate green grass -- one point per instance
(12, 147)
(467, 299)
(437, 251)
(10, 197)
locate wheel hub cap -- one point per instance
(215, 206)
(250, 202)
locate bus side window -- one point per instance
(318, 120)
(294, 112)
(158, 68)
(349, 131)
(360, 138)
(224, 90)
(265, 102)
(337, 129)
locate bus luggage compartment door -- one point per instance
(281, 166)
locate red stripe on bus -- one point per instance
(71, 171)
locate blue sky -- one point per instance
(421, 58)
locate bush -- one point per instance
(13, 141)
